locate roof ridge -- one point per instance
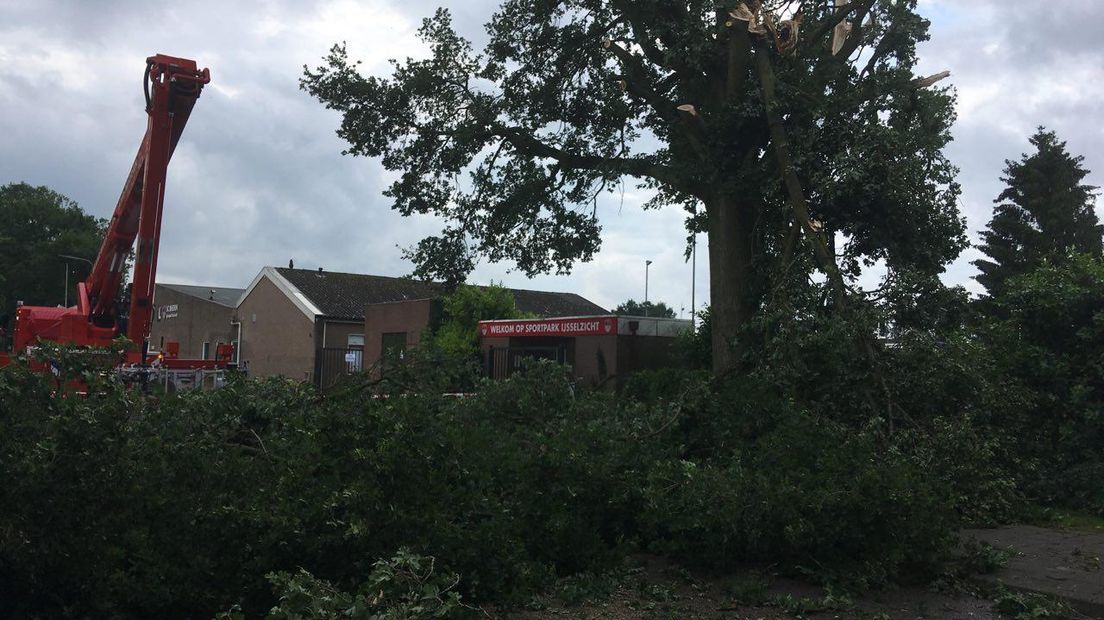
(349, 273)
(345, 295)
(200, 285)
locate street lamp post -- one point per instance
(647, 264)
(67, 256)
(693, 283)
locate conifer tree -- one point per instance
(1045, 214)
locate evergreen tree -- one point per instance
(1045, 214)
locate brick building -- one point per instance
(198, 317)
(319, 326)
(601, 350)
(312, 325)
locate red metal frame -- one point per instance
(172, 86)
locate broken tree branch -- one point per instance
(794, 191)
(839, 16)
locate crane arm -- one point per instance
(172, 86)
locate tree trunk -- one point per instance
(733, 294)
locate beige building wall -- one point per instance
(192, 322)
(335, 334)
(277, 338)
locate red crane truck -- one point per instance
(103, 311)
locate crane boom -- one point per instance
(171, 88)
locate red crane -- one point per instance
(171, 88)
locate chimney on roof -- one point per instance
(291, 263)
(319, 272)
(212, 295)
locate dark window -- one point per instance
(206, 350)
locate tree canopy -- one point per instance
(456, 330)
(37, 225)
(1045, 214)
(645, 308)
(798, 138)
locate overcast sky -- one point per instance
(259, 177)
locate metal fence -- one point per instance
(503, 362)
(332, 365)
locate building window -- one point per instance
(206, 350)
(237, 351)
(393, 346)
(355, 341)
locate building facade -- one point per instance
(602, 351)
(315, 325)
(198, 318)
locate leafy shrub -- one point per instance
(406, 587)
(455, 330)
(123, 505)
(1030, 606)
(1048, 335)
(807, 494)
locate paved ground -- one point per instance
(1063, 563)
(656, 589)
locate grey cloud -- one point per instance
(259, 177)
(1015, 65)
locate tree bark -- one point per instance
(733, 294)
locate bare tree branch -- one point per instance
(638, 84)
(524, 141)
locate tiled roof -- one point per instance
(345, 295)
(544, 304)
(221, 295)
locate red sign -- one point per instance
(579, 326)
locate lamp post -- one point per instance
(67, 256)
(693, 282)
(647, 264)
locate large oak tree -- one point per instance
(795, 134)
